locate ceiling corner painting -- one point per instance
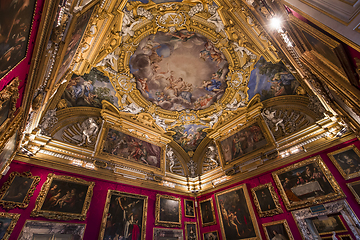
(15, 17)
(179, 70)
(189, 136)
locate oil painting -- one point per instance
(191, 231)
(124, 216)
(179, 70)
(189, 136)
(15, 26)
(347, 161)
(237, 218)
(8, 151)
(355, 189)
(243, 142)
(266, 200)
(328, 224)
(7, 224)
(207, 212)
(124, 146)
(168, 234)
(271, 80)
(211, 235)
(167, 211)
(278, 230)
(189, 208)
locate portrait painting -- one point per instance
(278, 230)
(191, 231)
(4, 112)
(347, 161)
(8, 151)
(355, 189)
(345, 237)
(18, 189)
(166, 67)
(189, 136)
(168, 234)
(211, 235)
(307, 183)
(271, 80)
(15, 26)
(124, 216)
(7, 224)
(189, 208)
(167, 211)
(266, 200)
(328, 224)
(89, 90)
(40, 230)
(237, 217)
(121, 145)
(64, 198)
(207, 212)
(245, 141)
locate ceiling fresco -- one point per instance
(189, 136)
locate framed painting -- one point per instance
(307, 183)
(40, 230)
(7, 152)
(7, 224)
(168, 211)
(214, 235)
(237, 218)
(191, 231)
(278, 230)
(124, 216)
(266, 200)
(207, 212)
(9, 96)
(347, 161)
(189, 206)
(18, 189)
(355, 189)
(16, 20)
(63, 198)
(168, 234)
(328, 224)
(345, 237)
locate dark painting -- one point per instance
(4, 111)
(190, 231)
(265, 199)
(189, 208)
(15, 25)
(18, 189)
(168, 234)
(206, 211)
(169, 210)
(277, 231)
(211, 236)
(349, 161)
(189, 136)
(4, 224)
(8, 151)
(328, 224)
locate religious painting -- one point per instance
(64, 198)
(211, 235)
(345, 237)
(189, 136)
(7, 224)
(271, 80)
(237, 218)
(168, 234)
(307, 183)
(191, 231)
(18, 189)
(207, 212)
(278, 230)
(355, 189)
(124, 216)
(8, 151)
(245, 141)
(89, 90)
(328, 224)
(15, 26)
(40, 230)
(124, 146)
(266, 200)
(167, 211)
(347, 161)
(189, 208)
(179, 70)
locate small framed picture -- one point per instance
(347, 161)
(345, 237)
(355, 189)
(211, 235)
(189, 208)
(191, 231)
(167, 211)
(277, 230)
(328, 224)
(266, 200)
(207, 212)
(168, 233)
(7, 223)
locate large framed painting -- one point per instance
(237, 218)
(168, 211)
(278, 230)
(168, 234)
(214, 235)
(189, 206)
(347, 161)
(307, 183)
(18, 189)
(63, 198)
(207, 212)
(191, 231)
(124, 216)
(266, 200)
(40, 230)
(328, 224)
(7, 224)
(16, 21)
(355, 189)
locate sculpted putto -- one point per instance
(89, 128)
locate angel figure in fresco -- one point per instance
(183, 36)
(214, 84)
(281, 83)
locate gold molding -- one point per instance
(15, 217)
(9, 94)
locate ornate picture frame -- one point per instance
(281, 228)
(213, 235)
(11, 219)
(345, 237)
(323, 227)
(191, 231)
(136, 205)
(23, 192)
(347, 161)
(298, 191)
(165, 215)
(207, 212)
(265, 197)
(161, 233)
(355, 189)
(47, 207)
(8, 98)
(189, 208)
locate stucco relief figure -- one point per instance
(128, 23)
(277, 121)
(89, 129)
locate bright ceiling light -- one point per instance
(275, 23)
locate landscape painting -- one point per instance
(189, 136)
(179, 70)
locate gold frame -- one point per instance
(186, 229)
(185, 207)
(345, 235)
(249, 206)
(9, 93)
(157, 212)
(110, 193)
(274, 196)
(25, 203)
(37, 212)
(285, 224)
(164, 229)
(350, 186)
(338, 193)
(337, 165)
(15, 217)
(217, 234)
(212, 211)
(340, 231)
